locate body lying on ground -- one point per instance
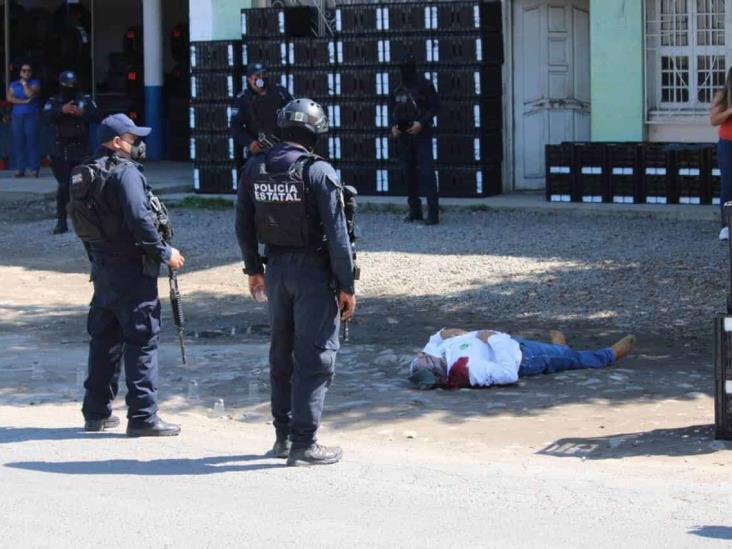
(455, 358)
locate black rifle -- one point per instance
(349, 206)
(166, 232)
(267, 140)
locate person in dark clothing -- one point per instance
(70, 112)
(292, 201)
(255, 111)
(124, 317)
(413, 106)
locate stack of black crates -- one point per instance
(633, 173)
(216, 79)
(353, 70)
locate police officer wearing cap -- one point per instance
(70, 112)
(124, 318)
(254, 118)
(414, 103)
(292, 202)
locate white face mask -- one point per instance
(259, 82)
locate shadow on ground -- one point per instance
(154, 467)
(694, 440)
(712, 532)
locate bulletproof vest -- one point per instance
(73, 129)
(93, 220)
(282, 217)
(405, 108)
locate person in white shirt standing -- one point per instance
(455, 358)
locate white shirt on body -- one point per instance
(494, 363)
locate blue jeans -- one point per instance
(25, 141)
(549, 358)
(724, 157)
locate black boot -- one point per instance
(314, 454)
(94, 425)
(281, 448)
(155, 428)
(61, 227)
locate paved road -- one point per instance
(211, 487)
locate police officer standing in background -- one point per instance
(292, 201)
(414, 104)
(70, 112)
(126, 251)
(255, 110)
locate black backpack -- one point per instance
(93, 220)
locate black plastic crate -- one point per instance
(458, 148)
(459, 16)
(314, 83)
(216, 178)
(357, 115)
(372, 179)
(213, 147)
(691, 167)
(207, 117)
(723, 376)
(288, 21)
(462, 181)
(361, 146)
(559, 162)
(262, 22)
(215, 86)
(218, 55)
(623, 173)
(411, 17)
(360, 19)
(714, 182)
(461, 115)
(657, 173)
(590, 169)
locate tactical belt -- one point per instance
(115, 260)
(302, 258)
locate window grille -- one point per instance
(685, 55)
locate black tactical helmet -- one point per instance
(303, 113)
(68, 79)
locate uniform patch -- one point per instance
(277, 192)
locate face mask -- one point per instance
(138, 150)
(261, 83)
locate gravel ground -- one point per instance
(501, 268)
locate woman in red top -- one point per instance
(721, 116)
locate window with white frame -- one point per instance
(685, 55)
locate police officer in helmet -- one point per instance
(114, 213)
(292, 201)
(70, 112)
(254, 119)
(414, 104)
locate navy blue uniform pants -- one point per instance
(62, 172)
(124, 325)
(418, 169)
(305, 322)
(724, 157)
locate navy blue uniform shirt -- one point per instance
(326, 205)
(244, 129)
(126, 193)
(428, 103)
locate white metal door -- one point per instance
(551, 75)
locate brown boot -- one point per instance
(623, 347)
(557, 337)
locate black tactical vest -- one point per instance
(405, 108)
(282, 217)
(93, 220)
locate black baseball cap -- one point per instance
(255, 68)
(119, 124)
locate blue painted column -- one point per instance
(152, 24)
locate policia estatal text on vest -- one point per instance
(111, 208)
(292, 201)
